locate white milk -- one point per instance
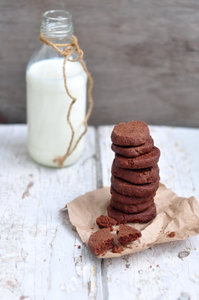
(47, 105)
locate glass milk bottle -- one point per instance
(49, 133)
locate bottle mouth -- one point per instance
(57, 24)
(57, 14)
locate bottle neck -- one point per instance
(57, 26)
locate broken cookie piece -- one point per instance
(105, 221)
(101, 241)
(127, 234)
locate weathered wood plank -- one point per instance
(41, 257)
(169, 271)
(143, 55)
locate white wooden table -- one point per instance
(42, 257)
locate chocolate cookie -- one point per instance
(141, 162)
(122, 218)
(127, 234)
(133, 133)
(116, 197)
(131, 209)
(101, 241)
(105, 221)
(134, 151)
(129, 189)
(139, 176)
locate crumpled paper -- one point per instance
(177, 218)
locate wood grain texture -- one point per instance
(41, 256)
(143, 55)
(167, 271)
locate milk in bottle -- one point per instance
(47, 101)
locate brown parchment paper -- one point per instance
(176, 216)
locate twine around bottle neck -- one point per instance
(66, 50)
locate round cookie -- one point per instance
(139, 176)
(116, 197)
(132, 209)
(134, 151)
(141, 162)
(129, 189)
(142, 217)
(133, 133)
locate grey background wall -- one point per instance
(144, 57)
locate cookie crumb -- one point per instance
(171, 234)
(117, 249)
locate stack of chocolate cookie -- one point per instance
(135, 173)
